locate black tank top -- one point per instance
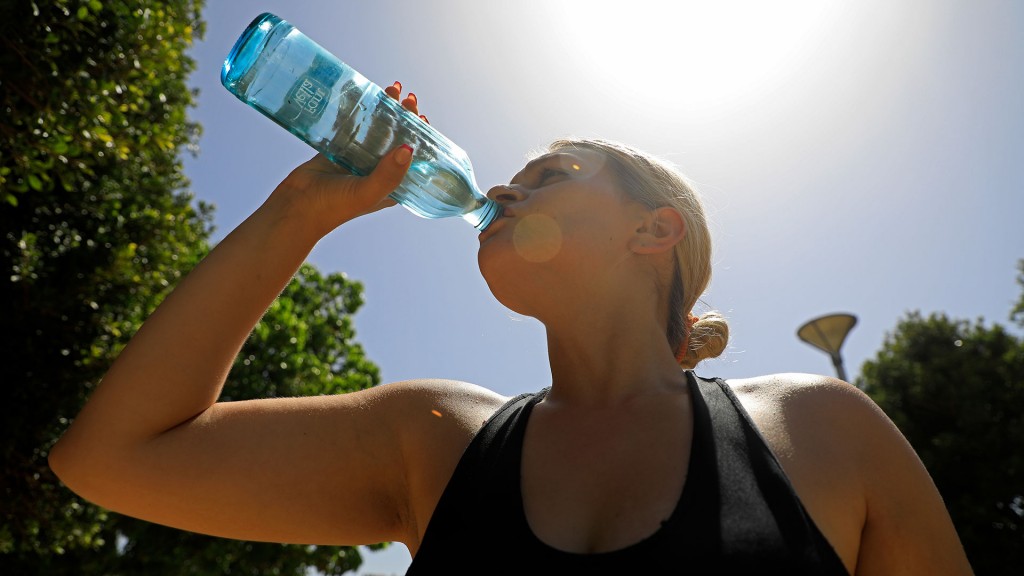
(738, 513)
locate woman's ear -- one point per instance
(660, 230)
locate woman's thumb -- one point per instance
(389, 172)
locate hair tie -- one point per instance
(684, 347)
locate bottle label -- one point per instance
(310, 96)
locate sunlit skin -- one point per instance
(606, 452)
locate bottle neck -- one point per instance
(485, 214)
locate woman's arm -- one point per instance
(907, 529)
(152, 443)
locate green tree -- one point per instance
(1017, 315)
(955, 389)
(96, 226)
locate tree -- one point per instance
(96, 226)
(1017, 314)
(956, 390)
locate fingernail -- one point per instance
(398, 85)
(412, 97)
(424, 118)
(403, 155)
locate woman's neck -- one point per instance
(611, 358)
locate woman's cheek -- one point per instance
(537, 238)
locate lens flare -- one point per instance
(537, 238)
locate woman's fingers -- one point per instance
(410, 102)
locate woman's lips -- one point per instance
(496, 225)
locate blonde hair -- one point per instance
(653, 183)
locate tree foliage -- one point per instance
(1017, 314)
(955, 389)
(96, 226)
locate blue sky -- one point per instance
(860, 157)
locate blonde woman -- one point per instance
(626, 462)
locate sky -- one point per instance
(857, 157)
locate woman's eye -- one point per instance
(548, 173)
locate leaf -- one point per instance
(35, 182)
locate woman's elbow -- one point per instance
(71, 466)
(60, 460)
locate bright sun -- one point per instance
(702, 56)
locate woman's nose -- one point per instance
(505, 194)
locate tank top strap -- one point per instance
(758, 507)
(482, 495)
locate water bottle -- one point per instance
(295, 82)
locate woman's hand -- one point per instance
(327, 195)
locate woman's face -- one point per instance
(566, 223)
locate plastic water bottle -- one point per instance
(282, 73)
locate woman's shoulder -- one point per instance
(442, 404)
(814, 425)
(447, 390)
(785, 385)
(810, 410)
(438, 419)
(807, 398)
(856, 474)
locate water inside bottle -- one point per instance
(450, 194)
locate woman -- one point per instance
(624, 462)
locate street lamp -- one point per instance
(827, 333)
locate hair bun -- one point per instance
(708, 338)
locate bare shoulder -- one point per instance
(857, 476)
(810, 404)
(439, 420)
(457, 406)
(810, 423)
(812, 420)
(791, 389)
(809, 408)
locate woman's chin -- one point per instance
(510, 279)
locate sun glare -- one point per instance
(700, 56)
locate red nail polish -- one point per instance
(398, 85)
(412, 97)
(404, 155)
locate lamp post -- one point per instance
(827, 333)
